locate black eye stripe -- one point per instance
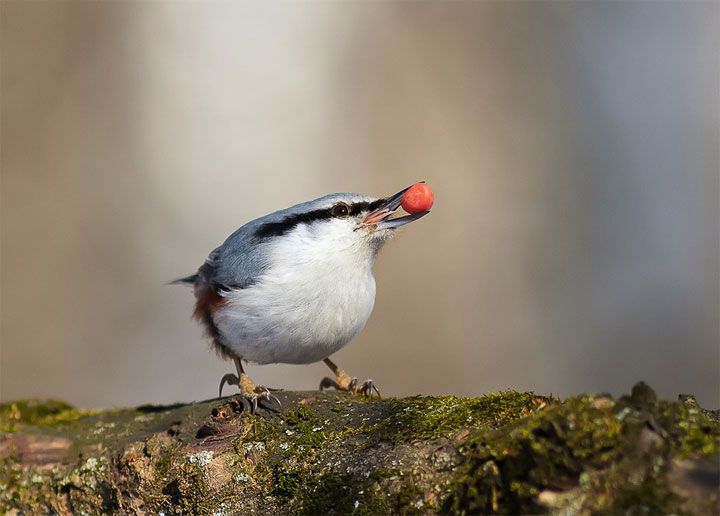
(281, 227)
(357, 208)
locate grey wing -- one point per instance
(243, 257)
(237, 263)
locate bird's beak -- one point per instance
(380, 216)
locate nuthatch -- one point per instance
(295, 286)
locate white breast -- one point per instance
(314, 298)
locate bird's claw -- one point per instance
(230, 379)
(368, 387)
(264, 394)
(342, 384)
(326, 383)
(253, 396)
(260, 394)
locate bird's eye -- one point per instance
(340, 210)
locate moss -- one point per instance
(433, 417)
(259, 429)
(83, 488)
(10, 484)
(163, 465)
(553, 451)
(510, 467)
(302, 413)
(286, 481)
(331, 453)
(408, 497)
(691, 429)
(701, 439)
(41, 413)
(383, 473)
(649, 497)
(188, 491)
(331, 494)
(307, 493)
(305, 428)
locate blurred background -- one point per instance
(572, 147)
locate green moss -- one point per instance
(701, 439)
(302, 413)
(383, 473)
(331, 493)
(259, 429)
(188, 492)
(286, 481)
(509, 467)
(10, 484)
(553, 450)
(407, 497)
(305, 428)
(649, 497)
(305, 492)
(38, 413)
(163, 465)
(499, 453)
(296, 477)
(432, 417)
(83, 487)
(691, 429)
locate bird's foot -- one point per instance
(343, 382)
(254, 394)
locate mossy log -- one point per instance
(331, 453)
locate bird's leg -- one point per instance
(343, 382)
(248, 390)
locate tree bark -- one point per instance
(331, 453)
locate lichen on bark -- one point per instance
(330, 453)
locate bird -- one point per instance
(295, 286)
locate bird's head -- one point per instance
(339, 222)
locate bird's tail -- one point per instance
(187, 280)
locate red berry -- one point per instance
(418, 198)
